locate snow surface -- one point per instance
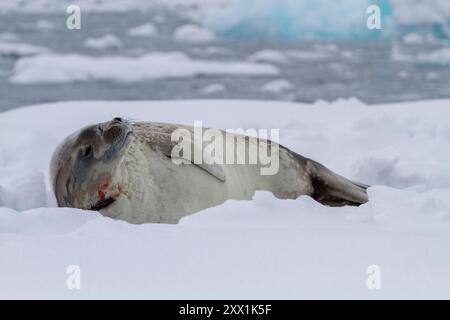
(64, 68)
(266, 248)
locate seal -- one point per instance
(127, 170)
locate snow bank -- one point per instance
(266, 248)
(72, 67)
(193, 34)
(108, 41)
(23, 191)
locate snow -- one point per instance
(193, 34)
(32, 187)
(18, 49)
(266, 248)
(108, 41)
(66, 68)
(144, 30)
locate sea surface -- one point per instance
(362, 69)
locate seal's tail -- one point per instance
(334, 190)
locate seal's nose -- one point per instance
(117, 119)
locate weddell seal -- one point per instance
(139, 171)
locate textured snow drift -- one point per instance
(63, 68)
(266, 248)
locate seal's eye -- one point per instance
(87, 152)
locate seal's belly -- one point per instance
(158, 190)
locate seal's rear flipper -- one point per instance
(334, 190)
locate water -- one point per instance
(362, 69)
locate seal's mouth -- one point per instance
(103, 203)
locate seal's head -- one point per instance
(84, 166)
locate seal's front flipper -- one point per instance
(163, 142)
(334, 190)
(207, 163)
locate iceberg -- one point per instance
(327, 20)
